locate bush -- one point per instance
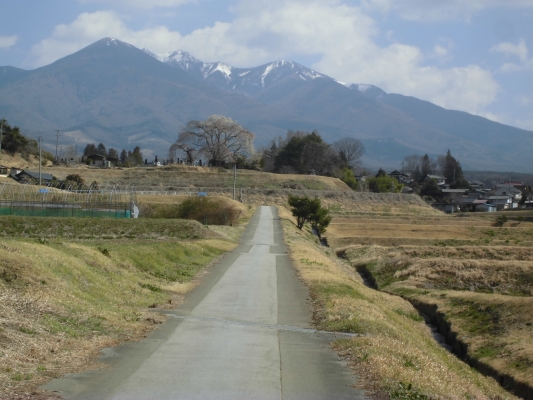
(500, 220)
(208, 211)
(306, 209)
(384, 184)
(347, 177)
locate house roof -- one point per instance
(499, 198)
(477, 183)
(471, 200)
(453, 190)
(35, 175)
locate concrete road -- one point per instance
(243, 334)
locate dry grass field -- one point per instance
(53, 317)
(479, 278)
(72, 286)
(194, 179)
(394, 355)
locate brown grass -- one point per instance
(62, 301)
(184, 178)
(480, 276)
(394, 345)
(426, 230)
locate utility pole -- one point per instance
(234, 179)
(1, 133)
(39, 160)
(57, 143)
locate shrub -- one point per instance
(206, 210)
(500, 220)
(306, 209)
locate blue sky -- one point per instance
(469, 55)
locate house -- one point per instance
(471, 204)
(446, 207)
(486, 207)
(528, 204)
(507, 189)
(501, 202)
(30, 176)
(102, 161)
(441, 181)
(453, 194)
(476, 185)
(402, 177)
(4, 171)
(14, 171)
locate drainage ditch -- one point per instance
(447, 338)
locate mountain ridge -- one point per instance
(117, 94)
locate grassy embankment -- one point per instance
(469, 275)
(258, 188)
(69, 287)
(396, 354)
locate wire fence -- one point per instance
(111, 201)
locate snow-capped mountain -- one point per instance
(252, 80)
(117, 94)
(243, 80)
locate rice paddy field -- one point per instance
(472, 277)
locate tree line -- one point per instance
(223, 142)
(15, 142)
(226, 143)
(126, 158)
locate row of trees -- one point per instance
(446, 165)
(305, 152)
(126, 158)
(224, 142)
(302, 152)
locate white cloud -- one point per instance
(8, 41)
(514, 50)
(440, 10)
(519, 50)
(90, 27)
(342, 36)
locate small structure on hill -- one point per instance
(26, 176)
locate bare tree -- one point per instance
(410, 163)
(189, 151)
(218, 137)
(350, 151)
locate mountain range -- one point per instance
(122, 96)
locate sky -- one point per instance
(469, 55)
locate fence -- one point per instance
(68, 201)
